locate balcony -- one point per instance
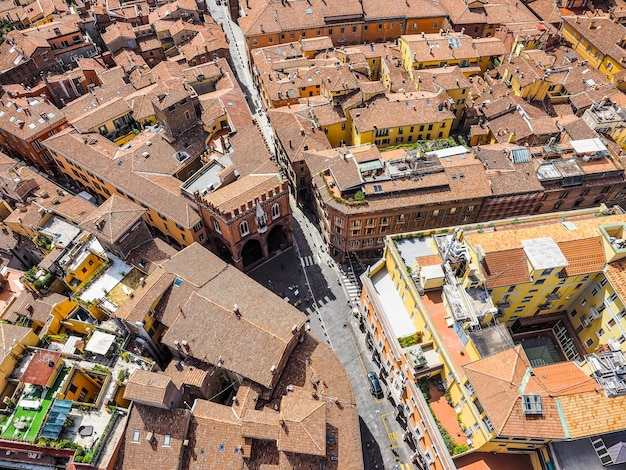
(425, 359)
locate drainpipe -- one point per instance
(147, 341)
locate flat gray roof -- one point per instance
(544, 253)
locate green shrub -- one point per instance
(460, 448)
(78, 458)
(410, 340)
(423, 385)
(87, 458)
(101, 368)
(447, 438)
(44, 282)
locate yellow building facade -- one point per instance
(600, 42)
(551, 277)
(155, 219)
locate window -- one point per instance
(589, 342)
(600, 333)
(594, 291)
(166, 440)
(275, 211)
(532, 404)
(609, 66)
(197, 227)
(135, 435)
(216, 226)
(488, 424)
(37, 145)
(546, 272)
(354, 29)
(244, 229)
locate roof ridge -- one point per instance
(308, 433)
(241, 317)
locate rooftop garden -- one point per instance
(25, 415)
(410, 340)
(444, 415)
(125, 287)
(429, 145)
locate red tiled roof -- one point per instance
(40, 367)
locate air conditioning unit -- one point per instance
(594, 314)
(585, 322)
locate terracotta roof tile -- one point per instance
(143, 453)
(242, 192)
(584, 256)
(148, 387)
(113, 218)
(40, 367)
(304, 428)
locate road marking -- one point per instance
(307, 261)
(356, 348)
(392, 435)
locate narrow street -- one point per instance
(309, 278)
(308, 270)
(242, 69)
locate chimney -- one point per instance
(236, 310)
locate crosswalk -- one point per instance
(352, 285)
(308, 260)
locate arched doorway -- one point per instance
(251, 252)
(222, 250)
(276, 239)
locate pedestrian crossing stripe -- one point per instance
(307, 261)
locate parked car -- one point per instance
(375, 388)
